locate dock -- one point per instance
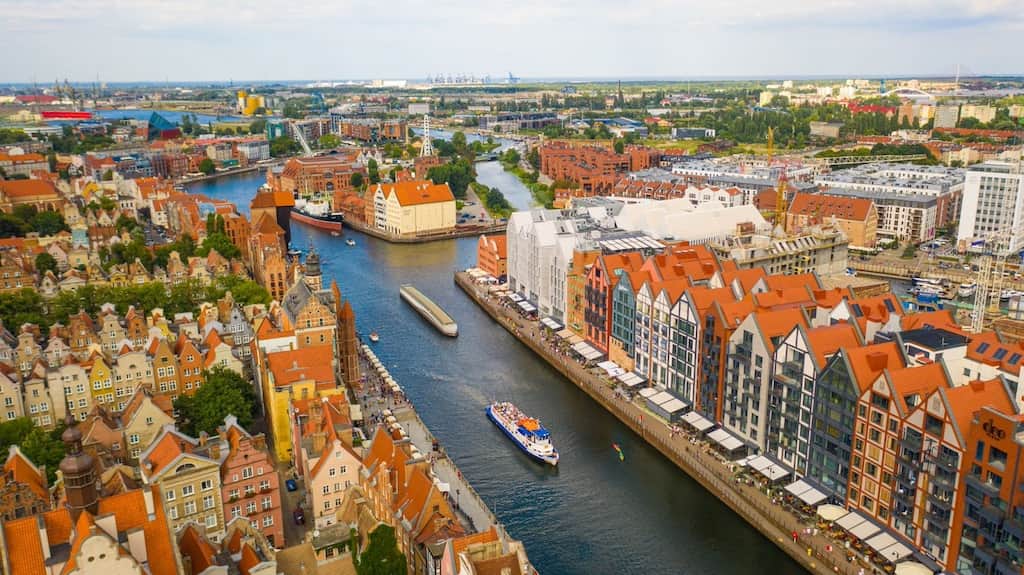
(470, 231)
(429, 310)
(816, 553)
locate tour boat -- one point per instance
(525, 431)
(350, 242)
(374, 337)
(927, 281)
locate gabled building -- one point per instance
(250, 484)
(23, 489)
(322, 431)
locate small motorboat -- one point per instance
(335, 234)
(350, 242)
(374, 337)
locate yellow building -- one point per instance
(248, 104)
(143, 419)
(293, 375)
(413, 208)
(101, 382)
(186, 473)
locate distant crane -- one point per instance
(427, 149)
(780, 193)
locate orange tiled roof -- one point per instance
(167, 448)
(780, 281)
(23, 535)
(777, 324)
(984, 348)
(419, 192)
(288, 367)
(942, 318)
(28, 188)
(827, 340)
(197, 548)
(460, 544)
(23, 471)
(868, 362)
(249, 559)
(919, 381)
(966, 400)
(826, 206)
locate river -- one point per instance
(591, 515)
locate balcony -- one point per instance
(791, 372)
(912, 459)
(944, 501)
(742, 351)
(912, 443)
(985, 486)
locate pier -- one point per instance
(816, 553)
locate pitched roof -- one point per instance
(827, 340)
(827, 206)
(197, 548)
(870, 361)
(27, 188)
(418, 192)
(918, 381)
(776, 324)
(288, 367)
(966, 400)
(23, 471)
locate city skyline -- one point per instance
(189, 41)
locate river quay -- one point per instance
(379, 402)
(752, 501)
(458, 232)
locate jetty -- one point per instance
(429, 310)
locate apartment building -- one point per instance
(992, 210)
(856, 217)
(250, 485)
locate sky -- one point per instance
(323, 40)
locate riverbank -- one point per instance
(378, 402)
(216, 175)
(458, 232)
(816, 553)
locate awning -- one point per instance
(648, 392)
(660, 398)
(805, 492)
(565, 334)
(631, 380)
(725, 440)
(912, 568)
(586, 350)
(355, 412)
(526, 306)
(743, 462)
(515, 297)
(551, 324)
(769, 468)
(850, 520)
(880, 542)
(674, 406)
(865, 530)
(391, 419)
(830, 512)
(896, 551)
(697, 421)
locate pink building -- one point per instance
(324, 456)
(250, 484)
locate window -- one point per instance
(327, 504)
(211, 520)
(343, 469)
(236, 511)
(326, 489)
(169, 495)
(208, 502)
(267, 503)
(247, 473)
(268, 520)
(264, 485)
(332, 472)
(250, 508)
(190, 507)
(206, 485)
(233, 494)
(187, 490)
(173, 512)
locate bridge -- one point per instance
(851, 160)
(912, 92)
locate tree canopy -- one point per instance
(381, 556)
(43, 448)
(45, 262)
(223, 393)
(207, 166)
(283, 146)
(457, 174)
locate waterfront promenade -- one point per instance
(459, 232)
(377, 398)
(816, 552)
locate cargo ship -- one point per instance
(526, 432)
(316, 213)
(429, 310)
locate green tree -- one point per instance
(459, 142)
(51, 160)
(207, 166)
(619, 146)
(46, 262)
(533, 157)
(329, 141)
(457, 174)
(372, 171)
(11, 136)
(258, 126)
(48, 223)
(108, 175)
(283, 146)
(381, 556)
(356, 180)
(11, 226)
(220, 242)
(45, 448)
(223, 393)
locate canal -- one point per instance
(593, 514)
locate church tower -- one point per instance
(79, 473)
(312, 274)
(348, 343)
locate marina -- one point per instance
(429, 310)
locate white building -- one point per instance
(679, 219)
(992, 206)
(255, 151)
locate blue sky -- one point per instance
(125, 40)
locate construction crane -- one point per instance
(998, 245)
(780, 195)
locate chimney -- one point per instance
(877, 360)
(215, 450)
(203, 438)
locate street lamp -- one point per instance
(457, 492)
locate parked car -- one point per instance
(299, 515)
(291, 485)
